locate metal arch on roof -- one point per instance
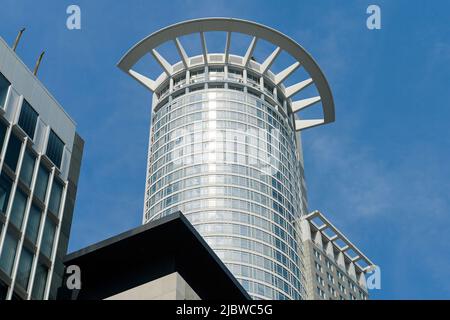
(257, 31)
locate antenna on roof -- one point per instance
(16, 42)
(38, 63)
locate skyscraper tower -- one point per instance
(225, 148)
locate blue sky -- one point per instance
(380, 172)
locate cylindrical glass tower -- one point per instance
(225, 151)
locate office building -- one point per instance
(40, 157)
(225, 146)
(335, 268)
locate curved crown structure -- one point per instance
(257, 31)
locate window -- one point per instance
(55, 197)
(319, 279)
(253, 78)
(34, 220)
(192, 89)
(268, 88)
(234, 73)
(216, 73)
(342, 288)
(40, 189)
(26, 173)
(23, 272)
(164, 90)
(236, 88)
(197, 75)
(361, 295)
(5, 189)
(330, 277)
(16, 297)
(3, 128)
(47, 238)
(332, 291)
(253, 92)
(8, 254)
(329, 265)
(18, 209)
(55, 148)
(321, 293)
(27, 119)
(179, 79)
(4, 85)
(317, 254)
(40, 279)
(280, 98)
(216, 86)
(3, 291)
(216, 70)
(198, 72)
(318, 266)
(12, 153)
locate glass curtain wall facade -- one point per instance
(39, 172)
(223, 157)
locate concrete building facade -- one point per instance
(40, 157)
(169, 287)
(335, 269)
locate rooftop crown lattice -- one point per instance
(256, 31)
